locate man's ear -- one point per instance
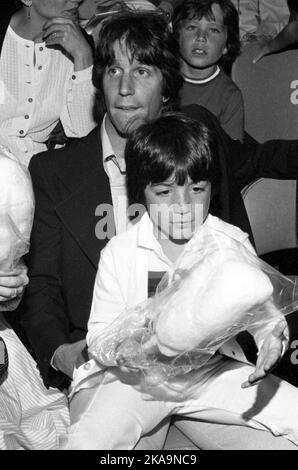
(225, 51)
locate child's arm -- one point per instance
(271, 352)
(287, 37)
(108, 301)
(271, 338)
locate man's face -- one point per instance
(132, 91)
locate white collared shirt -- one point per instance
(117, 181)
(122, 277)
(122, 283)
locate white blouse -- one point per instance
(38, 86)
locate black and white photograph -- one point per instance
(149, 228)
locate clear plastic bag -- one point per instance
(16, 217)
(217, 289)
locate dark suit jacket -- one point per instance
(69, 184)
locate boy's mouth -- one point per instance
(199, 51)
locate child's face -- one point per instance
(202, 43)
(177, 211)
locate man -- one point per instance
(69, 186)
(72, 185)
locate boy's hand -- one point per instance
(271, 352)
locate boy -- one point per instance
(208, 35)
(171, 163)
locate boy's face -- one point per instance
(202, 43)
(177, 211)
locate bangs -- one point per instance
(192, 10)
(179, 156)
(198, 15)
(140, 43)
(167, 167)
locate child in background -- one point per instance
(171, 162)
(208, 35)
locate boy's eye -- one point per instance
(164, 192)
(190, 27)
(214, 30)
(198, 189)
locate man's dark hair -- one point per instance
(148, 39)
(173, 144)
(197, 9)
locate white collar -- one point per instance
(107, 149)
(146, 238)
(204, 80)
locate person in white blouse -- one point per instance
(45, 76)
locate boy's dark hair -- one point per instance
(148, 39)
(197, 9)
(171, 144)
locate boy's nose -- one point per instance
(201, 35)
(126, 86)
(182, 201)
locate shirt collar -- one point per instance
(202, 80)
(146, 238)
(107, 149)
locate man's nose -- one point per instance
(126, 85)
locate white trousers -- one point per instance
(113, 416)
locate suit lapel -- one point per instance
(88, 190)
